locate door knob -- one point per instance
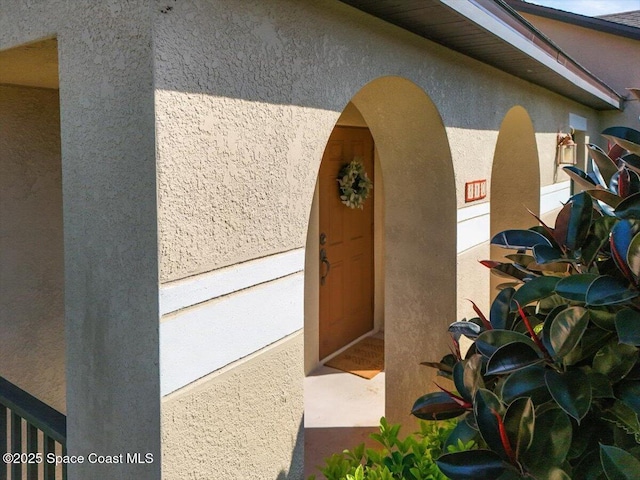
(325, 261)
(323, 238)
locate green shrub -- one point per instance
(412, 458)
(550, 388)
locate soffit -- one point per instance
(493, 33)
(31, 65)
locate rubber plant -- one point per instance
(550, 388)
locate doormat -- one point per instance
(365, 358)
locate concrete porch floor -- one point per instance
(341, 410)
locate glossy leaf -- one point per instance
(551, 442)
(546, 254)
(511, 357)
(571, 391)
(463, 432)
(605, 165)
(534, 290)
(499, 314)
(567, 329)
(486, 405)
(621, 235)
(606, 290)
(606, 196)
(436, 406)
(615, 360)
(519, 239)
(626, 137)
(633, 256)
(579, 177)
(628, 326)
(600, 385)
(632, 161)
(472, 465)
(489, 341)
(629, 208)
(579, 220)
(528, 382)
(519, 421)
(468, 329)
(574, 287)
(618, 464)
(629, 393)
(597, 238)
(507, 270)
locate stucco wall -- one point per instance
(242, 422)
(110, 232)
(32, 345)
(247, 93)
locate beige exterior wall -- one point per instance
(241, 422)
(32, 345)
(109, 220)
(611, 58)
(246, 97)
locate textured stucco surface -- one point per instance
(32, 351)
(110, 232)
(243, 423)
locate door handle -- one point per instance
(325, 261)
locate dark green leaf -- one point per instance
(606, 167)
(511, 357)
(626, 137)
(633, 256)
(534, 290)
(463, 432)
(624, 417)
(580, 220)
(468, 329)
(629, 393)
(544, 254)
(603, 318)
(629, 207)
(528, 382)
(519, 239)
(508, 270)
(615, 360)
(621, 236)
(436, 406)
(632, 161)
(567, 329)
(598, 236)
(628, 326)
(551, 442)
(486, 406)
(471, 465)
(574, 287)
(490, 340)
(606, 290)
(571, 391)
(519, 421)
(520, 259)
(600, 385)
(579, 177)
(618, 464)
(472, 375)
(499, 315)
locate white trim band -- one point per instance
(205, 338)
(184, 293)
(474, 221)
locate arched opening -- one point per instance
(515, 179)
(414, 252)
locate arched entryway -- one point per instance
(414, 238)
(515, 179)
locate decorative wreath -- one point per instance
(355, 185)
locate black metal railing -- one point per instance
(35, 436)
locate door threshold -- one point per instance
(370, 333)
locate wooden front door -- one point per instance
(346, 245)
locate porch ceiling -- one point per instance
(493, 33)
(32, 65)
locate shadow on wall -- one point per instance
(296, 468)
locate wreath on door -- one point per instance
(355, 185)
